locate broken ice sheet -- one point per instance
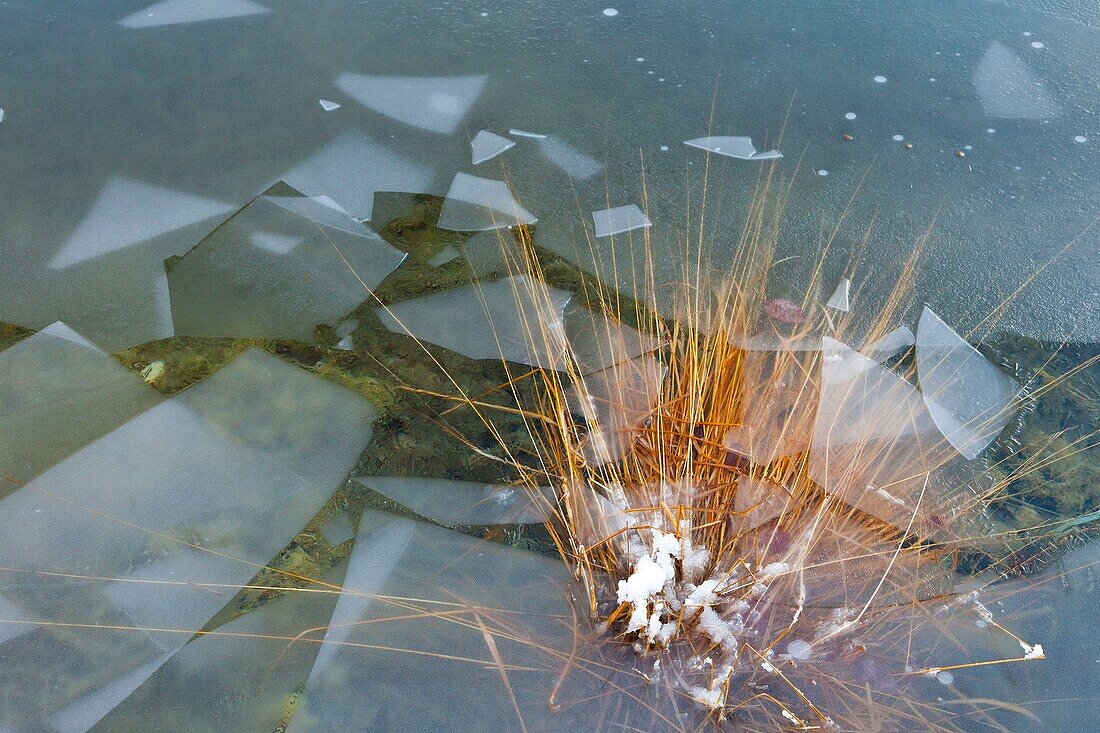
(613, 402)
(839, 299)
(732, 147)
(459, 503)
(565, 157)
(352, 167)
(58, 392)
(276, 269)
(1008, 88)
(436, 104)
(598, 341)
(238, 677)
(969, 398)
(516, 318)
(175, 12)
(487, 145)
(476, 204)
(157, 524)
(618, 220)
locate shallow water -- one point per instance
(127, 140)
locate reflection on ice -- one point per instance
(127, 212)
(618, 220)
(515, 318)
(1008, 88)
(278, 268)
(196, 494)
(475, 204)
(968, 397)
(436, 104)
(173, 12)
(58, 393)
(486, 146)
(732, 147)
(564, 156)
(352, 168)
(459, 503)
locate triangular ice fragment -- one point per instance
(486, 146)
(462, 503)
(175, 12)
(839, 299)
(328, 105)
(476, 204)
(969, 398)
(618, 220)
(436, 104)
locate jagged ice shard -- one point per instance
(732, 147)
(487, 145)
(435, 104)
(477, 204)
(1008, 88)
(175, 12)
(839, 300)
(153, 526)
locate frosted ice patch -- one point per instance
(476, 204)
(436, 104)
(968, 397)
(565, 157)
(1007, 87)
(462, 503)
(329, 106)
(839, 300)
(127, 212)
(487, 145)
(618, 220)
(515, 318)
(732, 147)
(175, 12)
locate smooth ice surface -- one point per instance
(514, 318)
(476, 204)
(732, 147)
(352, 167)
(577, 165)
(128, 212)
(276, 269)
(58, 392)
(174, 12)
(613, 402)
(436, 104)
(618, 220)
(598, 340)
(969, 398)
(457, 503)
(839, 298)
(487, 145)
(1007, 87)
(168, 514)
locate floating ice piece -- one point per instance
(613, 402)
(436, 104)
(328, 105)
(175, 12)
(486, 146)
(524, 133)
(444, 256)
(887, 345)
(732, 147)
(968, 397)
(839, 299)
(564, 156)
(58, 392)
(515, 318)
(476, 204)
(276, 269)
(127, 212)
(1007, 87)
(460, 503)
(172, 512)
(618, 220)
(352, 168)
(598, 341)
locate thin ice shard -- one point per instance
(525, 133)
(444, 256)
(276, 269)
(175, 12)
(436, 104)
(460, 503)
(613, 402)
(173, 511)
(128, 212)
(476, 204)
(352, 168)
(839, 299)
(328, 105)
(732, 147)
(1008, 88)
(486, 146)
(515, 319)
(969, 398)
(565, 157)
(58, 392)
(618, 220)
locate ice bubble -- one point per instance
(968, 147)
(640, 59)
(898, 138)
(850, 115)
(823, 172)
(664, 148)
(1037, 44)
(1027, 33)
(329, 106)
(880, 79)
(610, 12)
(945, 678)
(990, 130)
(799, 649)
(1080, 139)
